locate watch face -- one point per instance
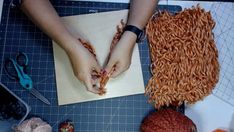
(141, 37)
(139, 33)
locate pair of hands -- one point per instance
(84, 64)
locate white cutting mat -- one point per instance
(99, 30)
(217, 110)
(223, 14)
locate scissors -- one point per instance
(16, 69)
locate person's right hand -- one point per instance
(84, 65)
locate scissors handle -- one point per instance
(22, 59)
(19, 70)
(9, 64)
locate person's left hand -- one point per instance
(120, 57)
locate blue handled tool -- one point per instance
(16, 69)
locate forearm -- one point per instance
(140, 12)
(44, 15)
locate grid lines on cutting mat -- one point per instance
(224, 38)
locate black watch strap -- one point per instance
(139, 33)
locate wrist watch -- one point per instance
(139, 33)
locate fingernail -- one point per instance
(103, 71)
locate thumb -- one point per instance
(109, 66)
(89, 85)
(96, 68)
(117, 71)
